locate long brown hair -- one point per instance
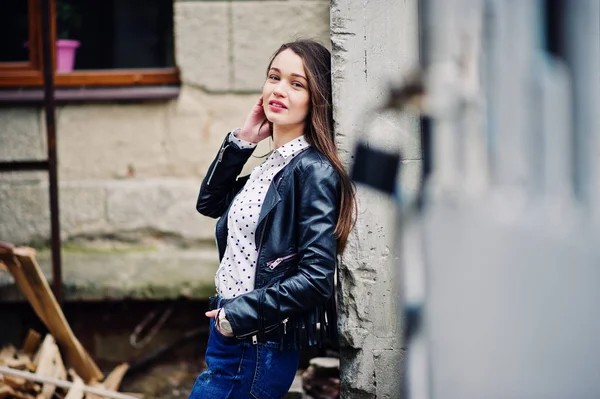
(318, 130)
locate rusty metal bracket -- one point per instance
(134, 338)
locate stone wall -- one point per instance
(136, 167)
(373, 43)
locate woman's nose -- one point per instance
(279, 89)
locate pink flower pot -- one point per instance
(65, 54)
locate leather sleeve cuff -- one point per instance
(242, 144)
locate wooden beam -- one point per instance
(64, 384)
(118, 77)
(30, 279)
(105, 77)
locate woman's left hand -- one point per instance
(212, 314)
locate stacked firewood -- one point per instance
(37, 371)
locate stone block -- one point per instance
(104, 141)
(358, 373)
(366, 57)
(164, 206)
(136, 273)
(24, 213)
(82, 208)
(259, 28)
(21, 137)
(384, 314)
(29, 178)
(189, 151)
(167, 206)
(193, 139)
(202, 42)
(389, 373)
(365, 62)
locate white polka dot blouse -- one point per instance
(235, 275)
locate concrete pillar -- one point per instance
(373, 43)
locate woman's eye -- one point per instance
(273, 77)
(297, 84)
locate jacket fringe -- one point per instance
(315, 328)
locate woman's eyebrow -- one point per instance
(293, 74)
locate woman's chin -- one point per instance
(276, 119)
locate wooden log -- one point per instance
(6, 392)
(32, 342)
(63, 383)
(91, 395)
(76, 391)
(50, 364)
(11, 357)
(22, 265)
(113, 381)
(18, 383)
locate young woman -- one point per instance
(279, 233)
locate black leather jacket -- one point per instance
(293, 299)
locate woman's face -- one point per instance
(285, 93)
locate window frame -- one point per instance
(30, 73)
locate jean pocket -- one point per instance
(219, 335)
(275, 371)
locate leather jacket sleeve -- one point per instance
(220, 185)
(318, 196)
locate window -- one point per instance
(14, 28)
(117, 43)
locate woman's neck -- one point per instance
(283, 134)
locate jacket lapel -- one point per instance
(271, 200)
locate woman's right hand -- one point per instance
(256, 128)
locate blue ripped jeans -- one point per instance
(239, 369)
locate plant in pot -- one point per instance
(68, 20)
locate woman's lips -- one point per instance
(276, 106)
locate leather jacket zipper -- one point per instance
(272, 327)
(219, 159)
(274, 263)
(268, 329)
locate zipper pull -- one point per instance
(254, 340)
(285, 326)
(219, 159)
(274, 264)
(221, 152)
